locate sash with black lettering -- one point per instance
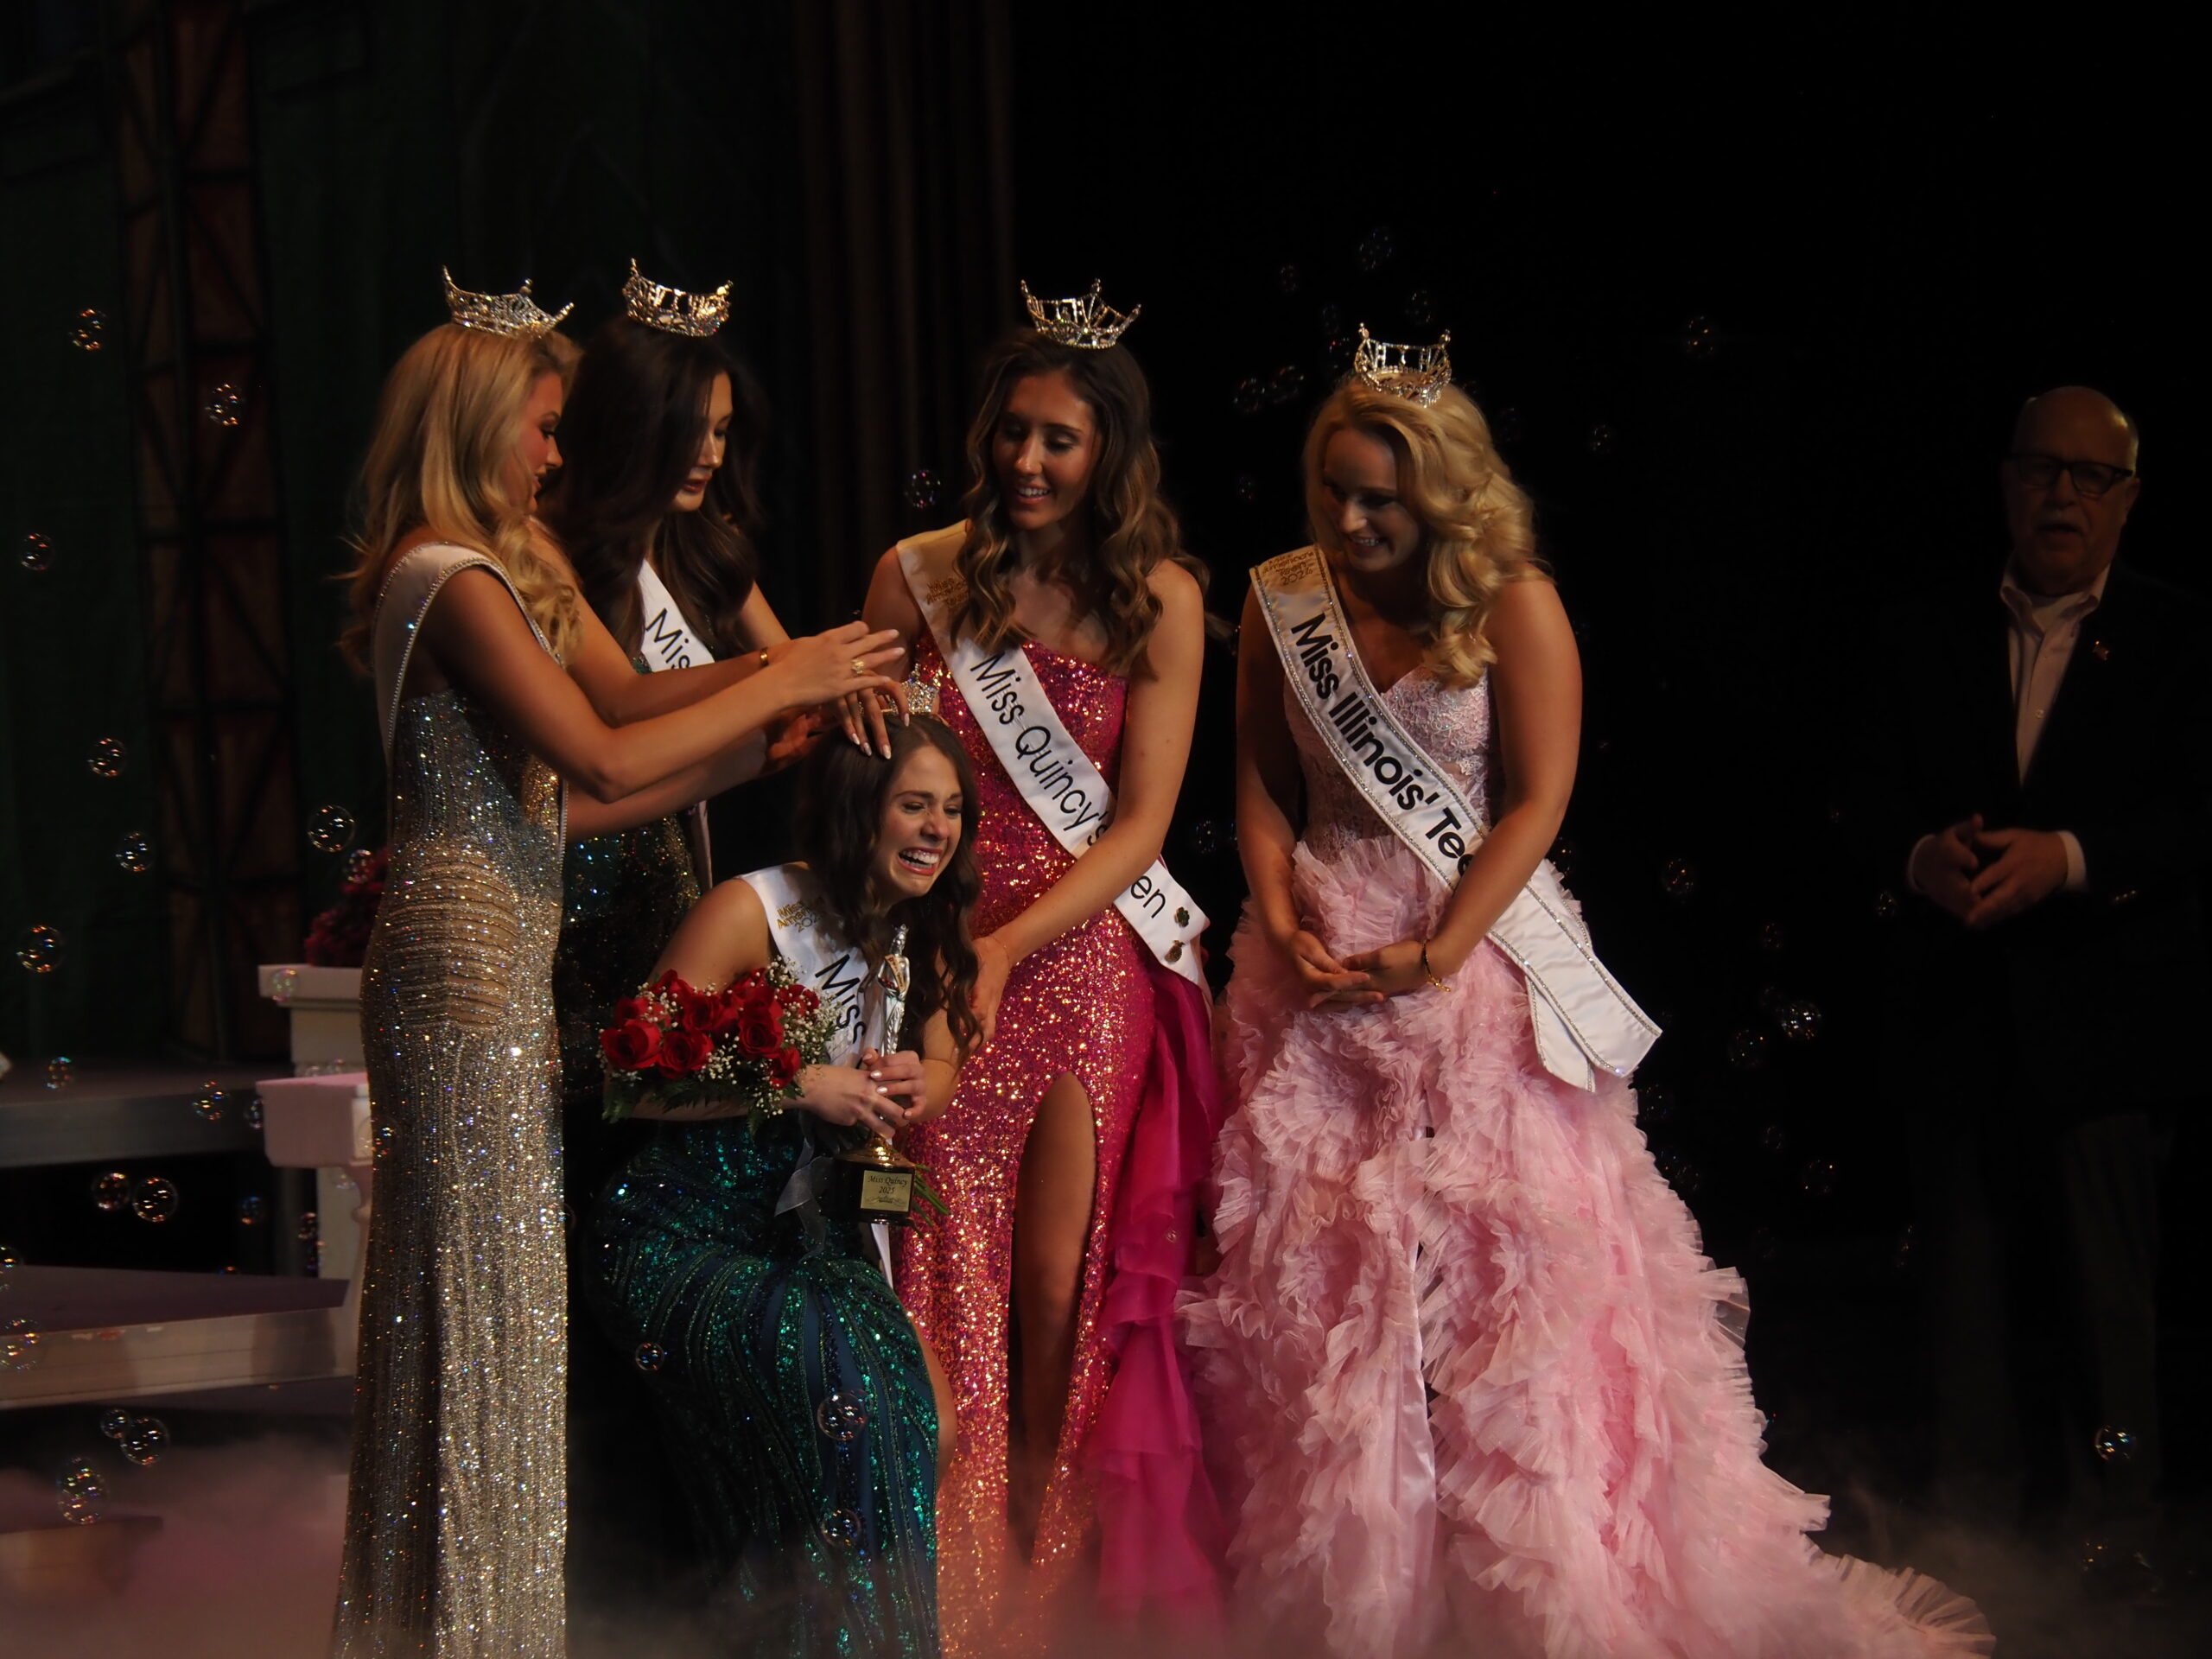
(667, 641)
(1581, 1016)
(1054, 776)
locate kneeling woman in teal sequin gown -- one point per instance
(805, 1416)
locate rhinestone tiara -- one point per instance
(921, 696)
(1084, 320)
(515, 314)
(670, 310)
(1416, 374)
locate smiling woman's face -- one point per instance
(1373, 529)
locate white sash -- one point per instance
(1054, 776)
(835, 971)
(1581, 1017)
(667, 640)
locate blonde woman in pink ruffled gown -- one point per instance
(1463, 1349)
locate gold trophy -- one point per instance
(886, 1175)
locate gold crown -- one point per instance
(670, 310)
(1084, 320)
(515, 314)
(1416, 374)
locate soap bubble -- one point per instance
(1562, 856)
(310, 1227)
(8, 1259)
(1288, 382)
(649, 1356)
(1699, 341)
(842, 1529)
(115, 1423)
(225, 405)
(1747, 1050)
(1818, 1177)
(1209, 836)
(39, 950)
(1377, 248)
(1774, 1138)
(1800, 1021)
(1772, 938)
(360, 865)
(144, 1441)
(1251, 394)
(1331, 318)
(1420, 308)
(253, 1210)
(281, 984)
(60, 1071)
(35, 555)
(924, 488)
(208, 1102)
(330, 830)
(85, 333)
(1885, 904)
(1287, 278)
(106, 758)
(1901, 1258)
(1679, 877)
(2113, 1445)
(1247, 489)
(1603, 439)
(18, 1344)
(841, 1417)
(1679, 1173)
(154, 1198)
(1655, 1103)
(135, 852)
(111, 1192)
(79, 1493)
(252, 1115)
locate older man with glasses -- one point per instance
(2048, 804)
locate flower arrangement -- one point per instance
(339, 938)
(749, 1041)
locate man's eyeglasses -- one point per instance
(2090, 477)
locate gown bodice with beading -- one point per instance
(454, 1516)
(1452, 725)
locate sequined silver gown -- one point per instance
(455, 1513)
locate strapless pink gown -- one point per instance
(1128, 1497)
(1464, 1351)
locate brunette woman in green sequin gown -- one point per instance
(801, 1409)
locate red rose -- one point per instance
(695, 1012)
(723, 1013)
(796, 1000)
(631, 1007)
(682, 1052)
(785, 1065)
(760, 1031)
(630, 1046)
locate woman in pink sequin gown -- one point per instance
(1071, 1155)
(1463, 1348)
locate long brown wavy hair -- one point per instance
(1478, 528)
(443, 459)
(841, 790)
(1132, 527)
(629, 434)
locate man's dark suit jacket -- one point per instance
(2093, 1001)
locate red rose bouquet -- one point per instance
(748, 1042)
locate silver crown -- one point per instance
(670, 310)
(921, 696)
(515, 314)
(1416, 374)
(1084, 320)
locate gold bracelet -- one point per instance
(763, 656)
(1429, 973)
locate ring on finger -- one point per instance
(859, 668)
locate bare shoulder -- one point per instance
(726, 935)
(1176, 588)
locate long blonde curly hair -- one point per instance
(1132, 527)
(442, 459)
(1479, 531)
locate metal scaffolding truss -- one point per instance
(219, 655)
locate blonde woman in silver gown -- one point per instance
(454, 1528)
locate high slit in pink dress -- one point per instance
(1126, 1496)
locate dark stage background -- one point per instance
(1751, 315)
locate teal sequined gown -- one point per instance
(792, 1392)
